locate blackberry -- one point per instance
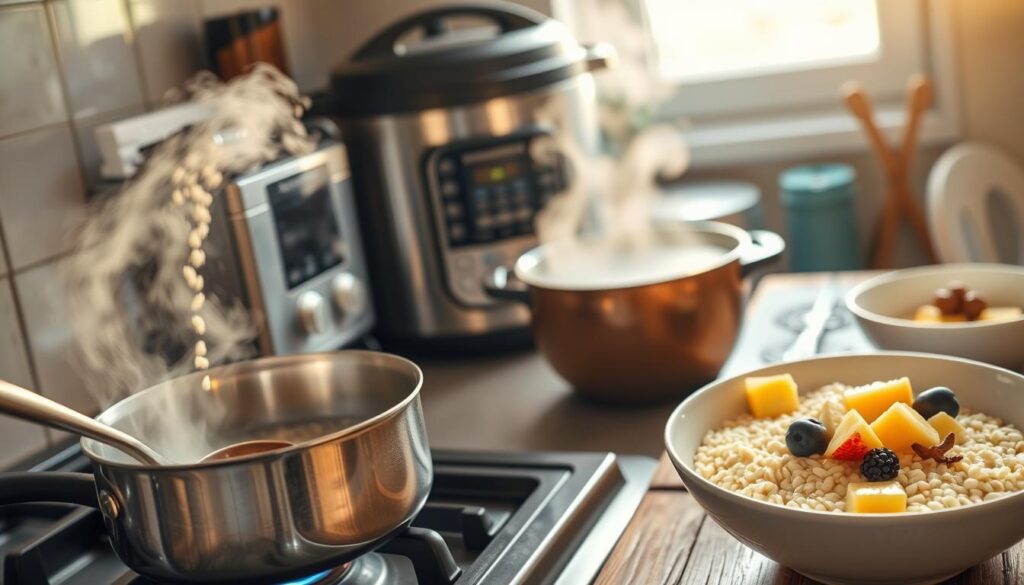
(880, 465)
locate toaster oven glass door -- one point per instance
(307, 229)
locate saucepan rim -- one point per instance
(262, 364)
(530, 259)
(690, 474)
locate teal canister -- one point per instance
(820, 216)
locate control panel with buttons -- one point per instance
(303, 266)
(486, 195)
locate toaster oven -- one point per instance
(285, 242)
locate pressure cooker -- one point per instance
(457, 120)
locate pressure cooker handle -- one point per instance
(503, 285)
(508, 17)
(45, 486)
(765, 248)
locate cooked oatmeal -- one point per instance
(749, 456)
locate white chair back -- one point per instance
(976, 205)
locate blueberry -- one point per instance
(936, 400)
(806, 437)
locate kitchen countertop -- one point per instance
(516, 402)
(671, 541)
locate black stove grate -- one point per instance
(489, 518)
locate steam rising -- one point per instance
(608, 202)
(125, 279)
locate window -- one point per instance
(760, 79)
(698, 41)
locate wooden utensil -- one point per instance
(899, 198)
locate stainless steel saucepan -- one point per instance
(358, 473)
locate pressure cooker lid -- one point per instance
(427, 61)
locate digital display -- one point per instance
(307, 228)
(497, 172)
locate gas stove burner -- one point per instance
(328, 577)
(793, 318)
(336, 576)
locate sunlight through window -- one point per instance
(705, 40)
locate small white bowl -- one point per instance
(884, 307)
(859, 549)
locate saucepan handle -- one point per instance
(45, 486)
(766, 247)
(502, 284)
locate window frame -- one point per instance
(722, 130)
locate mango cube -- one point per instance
(901, 426)
(853, 439)
(885, 497)
(945, 424)
(932, 314)
(770, 396)
(874, 399)
(1000, 314)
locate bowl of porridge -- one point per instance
(895, 468)
(929, 309)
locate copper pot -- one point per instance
(646, 341)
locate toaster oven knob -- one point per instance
(314, 314)
(349, 294)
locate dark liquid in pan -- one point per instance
(246, 448)
(277, 436)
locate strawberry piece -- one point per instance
(854, 449)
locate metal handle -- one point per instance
(509, 17)
(503, 285)
(767, 247)
(26, 404)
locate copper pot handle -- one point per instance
(766, 247)
(502, 284)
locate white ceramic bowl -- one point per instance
(884, 306)
(848, 549)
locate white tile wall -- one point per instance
(30, 91)
(44, 308)
(67, 66)
(168, 37)
(19, 439)
(99, 66)
(41, 196)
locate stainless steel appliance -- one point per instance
(490, 519)
(285, 240)
(358, 472)
(455, 140)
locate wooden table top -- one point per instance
(671, 541)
